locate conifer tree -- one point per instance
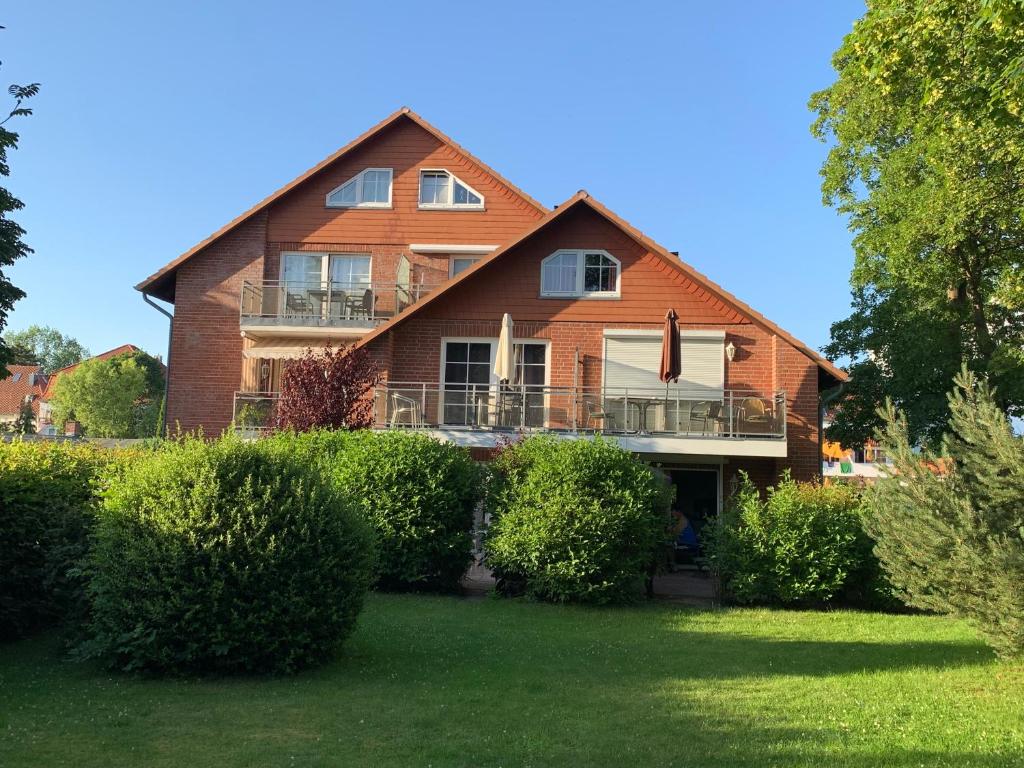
(950, 528)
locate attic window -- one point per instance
(441, 189)
(585, 274)
(369, 189)
(16, 376)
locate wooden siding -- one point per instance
(302, 216)
(649, 287)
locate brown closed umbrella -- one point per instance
(671, 364)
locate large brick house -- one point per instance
(406, 244)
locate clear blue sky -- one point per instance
(159, 122)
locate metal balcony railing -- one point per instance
(646, 411)
(733, 414)
(327, 303)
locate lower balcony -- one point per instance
(723, 423)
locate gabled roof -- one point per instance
(156, 281)
(583, 198)
(19, 385)
(124, 349)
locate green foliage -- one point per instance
(117, 397)
(574, 520)
(12, 247)
(803, 545)
(47, 347)
(927, 163)
(47, 499)
(419, 494)
(224, 556)
(950, 530)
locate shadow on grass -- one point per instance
(450, 682)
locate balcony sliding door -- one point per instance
(472, 395)
(468, 373)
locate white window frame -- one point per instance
(325, 262)
(449, 206)
(458, 257)
(358, 180)
(578, 292)
(493, 380)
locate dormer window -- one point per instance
(441, 189)
(369, 189)
(592, 274)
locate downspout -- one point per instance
(167, 378)
(825, 400)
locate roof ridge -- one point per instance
(582, 196)
(306, 175)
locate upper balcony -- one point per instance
(288, 308)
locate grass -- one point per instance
(431, 681)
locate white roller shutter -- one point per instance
(632, 361)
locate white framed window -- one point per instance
(310, 269)
(585, 274)
(368, 189)
(458, 264)
(470, 387)
(442, 189)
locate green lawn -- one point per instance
(442, 681)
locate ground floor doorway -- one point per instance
(697, 500)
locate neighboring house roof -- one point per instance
(583, 198)
(52, 381)
(23, 381)
(156, 282)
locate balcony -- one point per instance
(729, 423)
(286, 308)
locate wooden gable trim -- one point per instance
(155, 282)
(703, 286)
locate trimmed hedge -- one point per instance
(47, 507)
(574, 520)
(419, 494)
(801, 545)
(225, 556)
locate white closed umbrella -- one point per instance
(504, 360)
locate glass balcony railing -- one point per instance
(326, 304)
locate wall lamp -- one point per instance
(730, 351)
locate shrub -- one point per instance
(803, 545)
(328, 389)
(419, 494)
(574, 520)
(46, 511)
(226, 556)
(950, 530)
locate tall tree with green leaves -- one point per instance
(47, 347)
(926, 126)
(12, 247)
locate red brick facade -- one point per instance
(206, 346)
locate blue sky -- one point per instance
(158, 123)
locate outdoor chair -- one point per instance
(753, 411)
(598, 412)
(298, 304)
(405, 411)
(706, 412)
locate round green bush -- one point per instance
(419, 494)
(225, 556)
(574, 520)
(802, 545)
(47, 506)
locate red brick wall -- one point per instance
(206, 345)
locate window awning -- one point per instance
(280, 349)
